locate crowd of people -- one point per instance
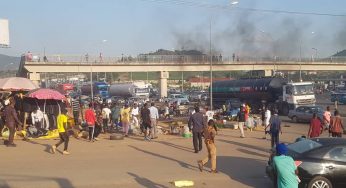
(103, 117)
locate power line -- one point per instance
(237, 8)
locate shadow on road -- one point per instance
(47, 146)
(181, 163)
(245, 145)
(252, 152)
(190, 150)
(5, 179)
(145, 182)
(248, 171)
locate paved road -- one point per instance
(136, 163)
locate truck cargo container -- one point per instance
(272, 92)
(127, 90)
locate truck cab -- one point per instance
(299, 94)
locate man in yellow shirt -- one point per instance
(64, 137)
(125, 118)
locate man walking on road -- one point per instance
(241, 121)
(209, 136)
(196, 124)
(154, 116)
(326, 118)
(90, 119)
(134, 115)
(146, 123)
(63, 134)
(267, 115)
(336, 126)
(125, 118)
(275, 128)
(106, 113)
(11, 120)
(75, 109)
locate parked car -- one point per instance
(304, 113)
(195, 96)
(340, 97)
(204, 96)
(181, 99)
(321, 162)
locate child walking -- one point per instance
(209, 135)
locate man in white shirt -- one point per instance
(37, 118)
(135, 114)
(267, 115)
(154, 116)
(105, 117)
(209, 114)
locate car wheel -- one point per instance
(295, 119)
(320, 182)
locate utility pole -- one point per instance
(300, 62)
(211, 70)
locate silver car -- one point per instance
(304, 113)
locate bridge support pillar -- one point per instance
(164, 75)
(35, 77)
(268, 73)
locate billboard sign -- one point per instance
(4, 33)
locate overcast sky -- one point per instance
(131, 27)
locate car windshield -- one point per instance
(304, 146)
(303, 89)
(179, 96)
(142, 90)
(316, 109)
(103, 87)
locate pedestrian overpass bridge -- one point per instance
(32, 69)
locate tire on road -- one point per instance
(320, 181)
(116, 137)
(295, 119)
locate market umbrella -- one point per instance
(17, 84)
(45, 94)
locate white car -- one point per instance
(181, 99)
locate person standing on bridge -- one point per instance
(196, 124)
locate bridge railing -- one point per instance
(158, 59)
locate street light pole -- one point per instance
(300, 62)
(211, 70)
(315, 53)
(91, 83)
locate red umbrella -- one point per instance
(43, 93)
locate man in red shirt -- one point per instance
(336, 126)
(316, 127)
(90, 118)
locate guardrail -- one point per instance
(64, 59)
